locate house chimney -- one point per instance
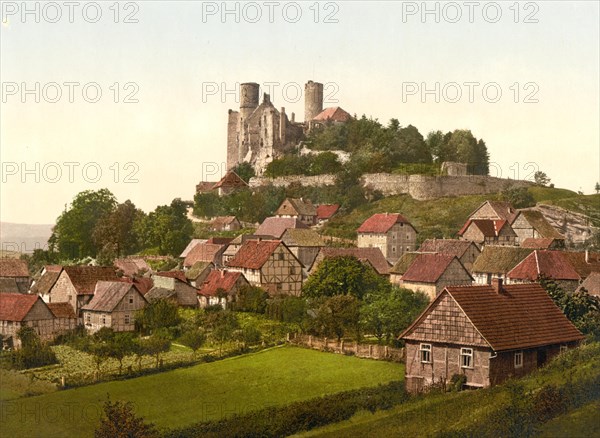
(497, 285)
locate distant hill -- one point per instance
(24, 237)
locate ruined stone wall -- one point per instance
(419, 187)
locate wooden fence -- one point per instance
(378, 352)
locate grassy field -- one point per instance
(208, 391)
(582, 422)
(435, 413)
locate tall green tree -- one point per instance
(119, 229)
(338, 316)
(168, 228)
(245, 171)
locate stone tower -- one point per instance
(249, 92)
(313, 100)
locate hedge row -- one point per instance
(298, 416)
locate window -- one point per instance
(103, 320)
(518, 359)
(127, 319)
(393, 249)
(466, 358)
(408, 237)
(563, 348)
(131, 299)
(425, 353)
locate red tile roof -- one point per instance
(428, 268)
(372, 255)
(190, 246)
(549, 263)
(231, 179)
(131, 266)
(219, 280)
(253, 254)
(276, 226)
(15, 307)
(584, 266)
(142, 284)
(447, 246)
(204, 252)
(335, 114)
(382, 222)
(62, 310)
(53, 268)
(325, 211)
(84, 278)
(488, 227)
(522, 316)
(13, 268)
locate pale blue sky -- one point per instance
(368, 54)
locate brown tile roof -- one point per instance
(9, 285)
(537, 220)
(537, 243)
(191, 245)
(302, 237)
(142, 284)
(220, 240)
(579, 263)
(131, 266)
(428, 268)
(15, 307)
(446, 246)
(253, 254)
(551, 264)
(373, 255)
(276, 226)
(335, 114)
(157, 293)
(503, 210)
(403, 263)
(108, 295)
(219, 280)
(488, 227)
(179, 275)
(204, 186)
(45, 282)
(62, 310)
(325, 211)
(84, 278)
(498, 259)
(523, 316)
(13, 268)
(382, 222)
(221, 221)
(231, 179)
(53, 268)
(299, 207)
(204, 252)
(591, 284)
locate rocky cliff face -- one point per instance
(575, 227)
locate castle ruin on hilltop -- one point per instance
(259, 133)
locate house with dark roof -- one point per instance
(496, 261)
(401, 266)
(466, 251)
(370, 256)
(46, 281)
(488, 232)
(114, 305)
(326, 212)
(304, 244)
(531, 224)
(230, 182)
(298, 208)
(9, 285)
(17, 271)
(20, 310)
(431, 273)
(270, 265)
(76, 285)
(486, 333)
(205, 252)
(220, 288)
(225, 223)
(550, 264)
(274, 227)
(392, 233)
(173, 285)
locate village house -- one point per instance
(494, 210)
(198, 272)
(235, 245)
(584, 262)
(533, 224)
(466, 251)
(225, 223)
(46, 280)
(230, 183)
(17, 271)
(401, 266)
(300, 209)
(304, 244)
(76, 284)
(486, 333)
(488, 232)
(334, 115)
(114, 306)
(326, 212)
(205, 252)
(274, 227)
(9, 285)
(591, 284)
(173, 285)
(20, 310)
(550, 264)
(132, 266)
(270, 265)
(220, 288)
(496, 262)
(431, 273)
(64, 317)
(542, 243)
(370, 256)
(189, 247)
(392, 233)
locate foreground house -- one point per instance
(114, 305)
(220, 288)
(486, 333)
(549, 264)
(392, 233)
(466, 251)
(20, 310)
(370, 256)
(496, 261)
(269, 264)
(17, 271)
(298, 208)
(431, 273)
